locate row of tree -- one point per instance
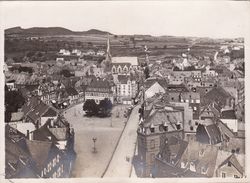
(103, 109)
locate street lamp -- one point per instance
(94, 148)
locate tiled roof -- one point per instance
(17, 161)
(150, 81)
(203, 156)
(214, 133)
(71, 91)
(38, 111)
(50, 113)
(131, 60)
(217, 94)
(233, 160)
(39, 151)
(32, 103)
(99, 86)
(228, 114)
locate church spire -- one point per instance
(107, 62)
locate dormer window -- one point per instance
(152, 128)
(202, 152)
(178, 126)
(165, 127)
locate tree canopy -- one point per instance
(102, 110)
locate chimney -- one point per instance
(52, 123)
(29, 135)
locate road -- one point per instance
(121, 162)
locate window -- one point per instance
(152, 144)
(152, 157)
(195, 108)
(236, 176)
(57, 158)
(223, 175)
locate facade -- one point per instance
(126, 89)
(99, 90)
(158, 125)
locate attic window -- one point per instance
(229, 164)
(178, 126)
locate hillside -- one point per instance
(51, 31)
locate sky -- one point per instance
(222, 19)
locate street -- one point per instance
(121, 162)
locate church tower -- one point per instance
(106, 64)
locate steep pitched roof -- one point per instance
(203, 156)
(217, 94)
(32, 103)
(233, 161)
(38, 111)
(214, 133)
(17, 161)
(39, 151)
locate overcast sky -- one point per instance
(210, 19)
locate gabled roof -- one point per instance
(38, 111)
(233, 161)
(32, 103)
(39, 151)
(218, 95)
(203, 156)
(151, 81)
(50, 113)
(131, 60)
(99, 86)
(17, 161)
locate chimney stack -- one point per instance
(29, 135)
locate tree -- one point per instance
(66, 73)
(90, 107)
(105, 107)
(13, 101)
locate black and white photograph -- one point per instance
(124, 89)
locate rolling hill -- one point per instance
(51, 31)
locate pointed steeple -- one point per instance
(107, 62)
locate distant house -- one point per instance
(220, 96)
(100, 53)
(47, 152)
(73, 95)
(126, 89)
(99, 90)
(38, 113)
(208, 134)
(230, 167)
(154, 86)
(229, 118)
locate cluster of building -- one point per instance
(192, 122)
(39, 142)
